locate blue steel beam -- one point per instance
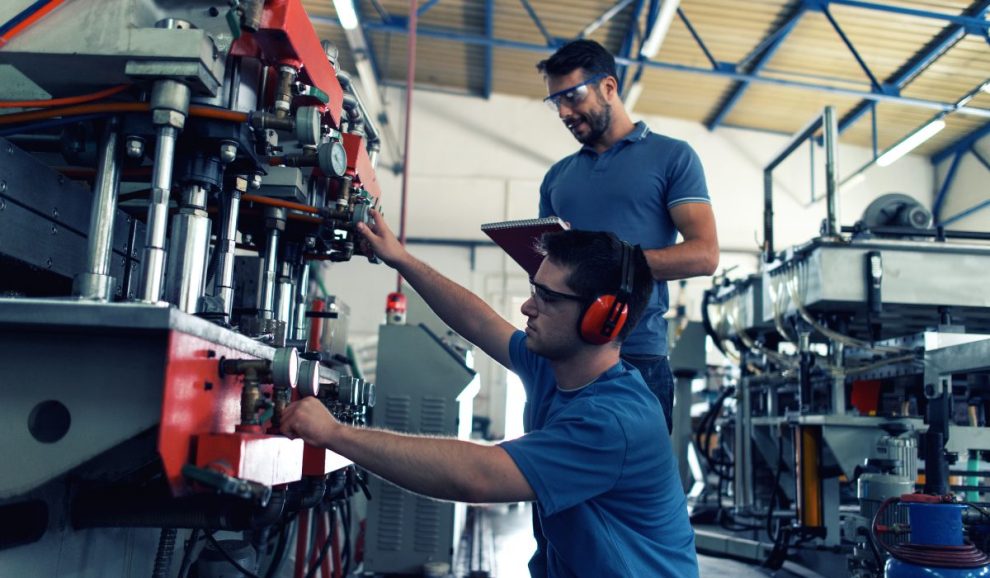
(627, 46)
(756, 63)
(486, 90)
(859, 59)
(979, 157)
(943, 192)
(604, 18)
(697, 38)
(397, 26)
(426, 7)
(924, 58)
(965, 213)
(539, 23)
(971, 24)
(961, 145)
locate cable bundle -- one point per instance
(942, 556)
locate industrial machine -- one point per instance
(861, 354)
(170, 174)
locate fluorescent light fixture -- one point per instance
(346, 13)
(632, 95)
(911, 142)
(652, 44)
(851, 182)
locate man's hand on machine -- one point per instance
(382, 239)
(309, 420)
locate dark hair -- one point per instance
(595, 260)
(584, 54)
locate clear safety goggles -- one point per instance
(573, 96)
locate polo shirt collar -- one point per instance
(638, 133)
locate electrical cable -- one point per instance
(64, 101)
(25, 18)
(323, 549)
(190, 545)
(225, 554)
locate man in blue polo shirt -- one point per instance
(596, 458)
(644, 187)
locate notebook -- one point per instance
(519, 238)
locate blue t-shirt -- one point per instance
(599, 460)
(629, 190)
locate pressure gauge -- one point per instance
(333, 159)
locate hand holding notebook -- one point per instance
(519, 238)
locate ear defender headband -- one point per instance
(605, 316)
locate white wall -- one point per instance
(970, 187)
(475, 161)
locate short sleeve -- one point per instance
(576, 457)
(687, 179)
(546, 208)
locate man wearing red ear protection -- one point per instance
(596, 458)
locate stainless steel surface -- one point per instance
(154, 246)
(189, 247)
(96, 282)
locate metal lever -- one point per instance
(228, 485)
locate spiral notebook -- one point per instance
(519, 238)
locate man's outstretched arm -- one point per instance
(443, 468)
(462, 310)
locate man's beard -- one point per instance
(598, 123)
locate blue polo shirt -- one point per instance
(629, 190)
(599, 459)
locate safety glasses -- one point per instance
(573, 96)
(547, 296)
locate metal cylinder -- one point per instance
(807, 442)
(224, 284)
(95, 282)
(299, 329)
(189, 247)
(285, 296)
(276, 222)
(831, 141)
(153, 261)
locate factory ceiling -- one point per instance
(890, 67)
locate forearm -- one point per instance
(441, 468)
(462, 310)
(691, 258)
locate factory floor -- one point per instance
(512, 544)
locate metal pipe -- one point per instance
(352, 100)
(95, 282)
(831, 171)
(302, 292)
(224, 286)
(410, 85)
(275, 218)
(153, 261)
(189, 246)
(285, 297)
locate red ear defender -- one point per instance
(603, 319)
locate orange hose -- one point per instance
(112, 107)
(74, 111)
(38, 15)
(217, 113)
(280, 203)
(65, 101)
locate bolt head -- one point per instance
(228, 152)
(134, 147)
